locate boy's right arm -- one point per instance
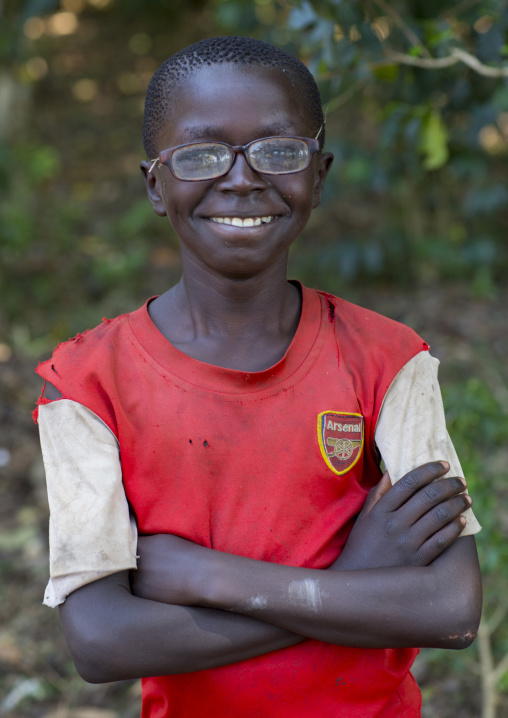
(138, 636)
(114, 635)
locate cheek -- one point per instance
(180, 199)
(299, 191)
(300, 198)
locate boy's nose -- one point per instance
(241, 178)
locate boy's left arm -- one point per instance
(395, 586)
(405, 590)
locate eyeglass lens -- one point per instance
(277, 155)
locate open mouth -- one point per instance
(243, 221)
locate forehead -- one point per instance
(234, 103)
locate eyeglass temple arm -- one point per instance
(156, 160)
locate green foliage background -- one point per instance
(415, 205)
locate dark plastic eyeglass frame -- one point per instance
(165, 156)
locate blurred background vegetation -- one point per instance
(413, 224)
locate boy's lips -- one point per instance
(243, 221)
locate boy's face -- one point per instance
(236, 104)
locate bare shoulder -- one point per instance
(51, 392)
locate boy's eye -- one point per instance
(277, 156)
(197, 160)
(202, 155)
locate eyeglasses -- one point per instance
(199, 161)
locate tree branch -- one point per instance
(495, 620)
(432, 63)
(500, 669)
(479, 67)
(439, 63)
(489, 693)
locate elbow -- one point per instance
(460, 637)
(457, 597)
(464, 630)
(90, 673)
(93, 658)
(94, 648)
(459, 641)
(96, 629)
(462, 621)
(94, 667)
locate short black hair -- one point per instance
(234, 49)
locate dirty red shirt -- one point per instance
(272, 465)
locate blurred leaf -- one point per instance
(434, 141)
(44, 163)
(387, 72)
(302, 17)
(24, 689)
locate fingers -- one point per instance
(439, 517)
(431, 499)
(377, 492)
(412, 482)
(440, 541)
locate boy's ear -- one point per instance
(324, 163)
(152, 182)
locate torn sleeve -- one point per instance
(411, 429)
(91, 531)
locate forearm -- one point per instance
(403, 578)
(432, 605)
(114, 635)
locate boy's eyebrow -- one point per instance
(208, 132)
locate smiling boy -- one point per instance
(239, 418)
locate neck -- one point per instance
(237, 306)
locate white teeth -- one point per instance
(239, 222)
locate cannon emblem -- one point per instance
(342, 448)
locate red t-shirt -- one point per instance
(271, 465)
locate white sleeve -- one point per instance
(411, 428)
(91, 532)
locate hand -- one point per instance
(408, 524)
(170, 570)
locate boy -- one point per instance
(252, 595)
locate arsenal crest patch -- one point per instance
(340, 437)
